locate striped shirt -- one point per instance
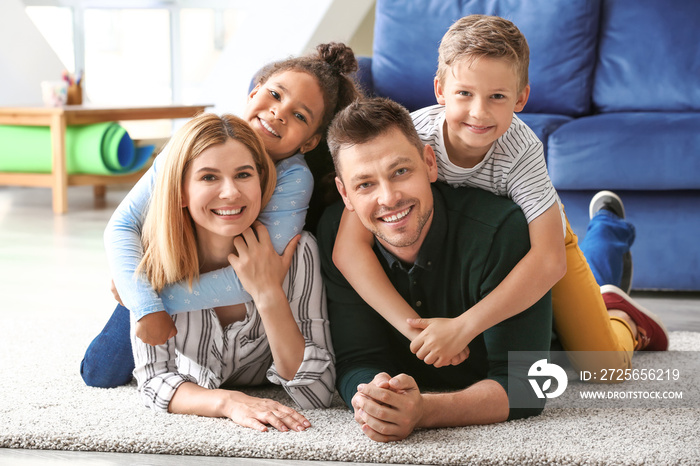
(513, 167)
(204, 353)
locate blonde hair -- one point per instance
(476, 36)
(168, 237)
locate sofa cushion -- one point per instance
(543, 124)
(561, 34)
(648, 57)
(636, 151)
(665, 252)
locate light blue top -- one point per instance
(283, 216)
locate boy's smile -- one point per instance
(479, 96)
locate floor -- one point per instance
(67, 251)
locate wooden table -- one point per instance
(57, 118)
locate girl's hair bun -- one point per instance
(339, 56)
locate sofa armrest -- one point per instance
(363, 76)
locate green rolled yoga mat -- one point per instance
(98, 149)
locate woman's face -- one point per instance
(286, 111)
(222, 191)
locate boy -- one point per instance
(481, 82)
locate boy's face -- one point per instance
(480, 97)
(386, 182)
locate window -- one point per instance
(132, 55)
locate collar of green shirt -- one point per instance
(434, 241)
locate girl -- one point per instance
(290, 107)
(209, 191)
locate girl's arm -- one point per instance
(294, 314)
(124, 249)
(284, 217)
(284, 214)
(353, 256)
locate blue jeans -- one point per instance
(608, 238)
(108, 361)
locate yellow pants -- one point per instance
(581, 319)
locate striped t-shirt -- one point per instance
(513, 167)
(204, 353)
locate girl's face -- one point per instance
(222, 191)
(286, 111)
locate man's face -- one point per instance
(386, 183)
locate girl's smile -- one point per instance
(286, 111)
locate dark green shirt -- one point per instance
(474, 241)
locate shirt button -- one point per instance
(419, 304)
(430, 263)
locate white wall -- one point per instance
(274, 30)
(271, 30)
(20, 77)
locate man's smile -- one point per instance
(395, 217)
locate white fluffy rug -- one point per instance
(45, 405)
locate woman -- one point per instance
(214, 182)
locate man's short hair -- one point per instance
(364, 120)
(476, 36)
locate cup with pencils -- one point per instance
(75, 87)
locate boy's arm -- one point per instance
(532, 277)
(353, 256)
(124, 250)
(529, 186)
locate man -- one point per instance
(444, 249)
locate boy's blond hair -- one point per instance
(168, 236)
(476, 36)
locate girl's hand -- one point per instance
(155, 328)
(258, 413)
(440, 343)
(257, 264)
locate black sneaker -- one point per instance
(610, 201)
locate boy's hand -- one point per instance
(156, 328)
(440, 343)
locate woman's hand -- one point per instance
(258, 413)
(245, 410)
(258, 266)
(262, 271)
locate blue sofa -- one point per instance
(615, 100)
